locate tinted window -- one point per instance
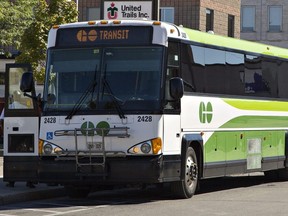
(255, 84)
(235, 73)
(208, 70)
(215, 71)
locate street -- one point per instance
(245, 195)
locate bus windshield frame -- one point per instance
(102, 79)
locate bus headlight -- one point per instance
(148, 147)
(47, 148)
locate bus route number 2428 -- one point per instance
(144, 118)
(50, 120)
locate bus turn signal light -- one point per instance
(156, 145)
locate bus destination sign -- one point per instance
(88, 36)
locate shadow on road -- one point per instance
(132, 196)
(233, 182)
(212, 185)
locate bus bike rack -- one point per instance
(96, 154)
(100, 153)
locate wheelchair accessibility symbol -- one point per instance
(49, 135)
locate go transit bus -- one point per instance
(147, 102)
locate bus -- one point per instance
(147, 102)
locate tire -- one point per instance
(283, 174)
(280, 174)
(186, 188)
(271, 175)
(77, 192)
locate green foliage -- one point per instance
(15, 17)
(34, 40)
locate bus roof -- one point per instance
(161, 30)
(183, 33)
(236, 44)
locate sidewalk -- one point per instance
(21, 193)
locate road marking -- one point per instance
(7, 215)
(42, 210)
(69, 212)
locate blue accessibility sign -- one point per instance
(49, 135)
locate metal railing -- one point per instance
(95, 154)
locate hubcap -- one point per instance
(191, 171)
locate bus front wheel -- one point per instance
(186, 188)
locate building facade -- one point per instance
(220, 16)
(265, 21)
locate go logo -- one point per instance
(88, 128)
(83, 36)
(205, 112)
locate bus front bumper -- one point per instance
(147, 169)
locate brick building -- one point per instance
(265, 21)
(220, 16)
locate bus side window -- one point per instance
(173, 54)
(173, 70)
(197, 68)
(215, 71)
(170, 103)
(282, 76)
(235, 73)
(187, 68)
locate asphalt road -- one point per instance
(245, 195)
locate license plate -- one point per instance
(98, 145)
(94, 146)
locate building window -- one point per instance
(93, 13)
(231, 25)
(209, 20)
(167, 14)
(248, 18)
(275, 18)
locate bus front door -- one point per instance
(21, 125)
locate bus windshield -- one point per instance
(103, 79)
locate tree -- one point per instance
(15, 16)
(34, 40)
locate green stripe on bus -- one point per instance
(258, 105)
(257, 122)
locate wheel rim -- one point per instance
(191, 172)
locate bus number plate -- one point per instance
(50, 120)
(144, 119)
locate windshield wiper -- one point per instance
(90, 89)
(115, 101)
(114, 98)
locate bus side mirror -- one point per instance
(27, 82)
(176, 88)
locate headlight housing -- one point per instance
(49, 149)
(149, 147)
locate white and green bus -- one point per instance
(147, 102)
